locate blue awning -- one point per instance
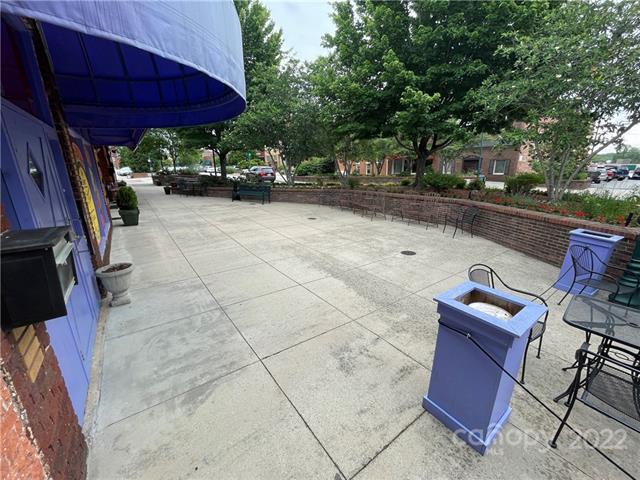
(134, 65)
(126, 137)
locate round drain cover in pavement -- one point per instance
(407, 252)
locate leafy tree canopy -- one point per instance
(283, 116)
(575, 86)
(262, 49)
(159, 148)
(407, 68)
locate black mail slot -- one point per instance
(38, 275)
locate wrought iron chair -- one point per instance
(608, 385)
(410, 212)
(585, 262)
(485, 275)
(465, 216)
(345, 200)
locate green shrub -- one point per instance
(127, 199)
(353, 182)
(405, 182)
(212, 181)
(316, 166)
(122, 183)
(523, 183)
(476, 184)
(442, 181)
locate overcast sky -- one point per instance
(304, 22)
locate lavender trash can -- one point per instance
(602, 244)
(467, 392)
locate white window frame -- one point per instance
(446, 166)
(367, 168)
(504, 170)
(396, 166)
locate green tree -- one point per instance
(157, 145)
(630, 154)
(262, 48)
(283, 117)
(376, 150)
(575, 86)
(407, 68)
(150, 154)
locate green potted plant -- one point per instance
(127, 201)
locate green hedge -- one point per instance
(442, 181)
(523, 183)
(316, 166)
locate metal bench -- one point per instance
(258, 190)
(189, 187)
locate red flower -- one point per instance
(580, 214)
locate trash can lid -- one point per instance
(492, 310)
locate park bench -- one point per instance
(189, 187)
(258, 190)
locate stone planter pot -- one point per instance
(129, 217)
(116, 278)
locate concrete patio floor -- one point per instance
(295, 341)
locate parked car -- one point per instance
(594, 176)
(636, 174)
(263, 174)
(125, 172)
(622, 173)
(610, 174)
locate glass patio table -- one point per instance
(611, 321)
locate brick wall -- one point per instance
(19, 456)
(537, 234)
(40, 434)
(30, 369)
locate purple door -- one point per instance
(37, 190)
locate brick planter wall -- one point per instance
(537, 234)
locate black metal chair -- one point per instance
(608, 385)
(486, 275)
(585, 262)
(465, 216)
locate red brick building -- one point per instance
(494, 161)
(488, 158)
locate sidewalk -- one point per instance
(295, 341)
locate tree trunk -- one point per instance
(421, 165)
(223, 164)
(343, 175)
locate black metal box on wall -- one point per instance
(38, 275)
